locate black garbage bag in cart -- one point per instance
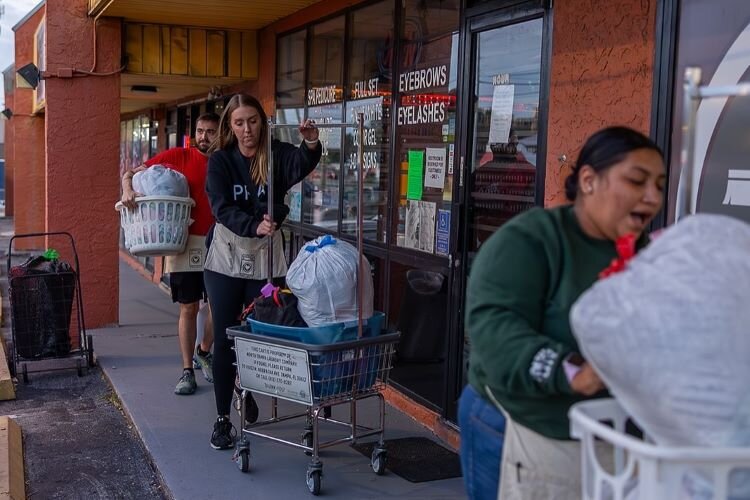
(41, 300)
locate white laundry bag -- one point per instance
(324, 279)
(670, 337)
(159, 180)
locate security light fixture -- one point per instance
(30, 75)
(144, 88)
(7, 113)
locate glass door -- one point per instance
(504, 164)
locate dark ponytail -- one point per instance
(604, 149)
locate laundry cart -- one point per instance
(47, 320)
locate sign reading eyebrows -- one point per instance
(420, 80)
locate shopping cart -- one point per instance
(47, 320)
(318, 377)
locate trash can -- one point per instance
(422, 321)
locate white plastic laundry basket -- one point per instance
(158, 226)
(645, 471)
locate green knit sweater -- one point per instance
(523, 283)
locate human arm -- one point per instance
(128, 194)
(220, 192)
(507, 298)
(296, 163)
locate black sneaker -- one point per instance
(223, 435)
(251, 407)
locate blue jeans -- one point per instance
(482, 434)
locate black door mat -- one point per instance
(417, 459)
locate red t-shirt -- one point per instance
(193, 165)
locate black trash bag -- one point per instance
(278, 309)
(41, 299)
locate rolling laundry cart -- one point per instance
(47, 311)
(292, 364)
(644, 469)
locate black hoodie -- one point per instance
(237, 202)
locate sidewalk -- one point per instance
(141, 360)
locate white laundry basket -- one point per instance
(158, 226)
(645, 471)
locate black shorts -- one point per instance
(187, 287)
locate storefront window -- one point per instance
(506, 124)
(290, 70)
(324, 98)
(368, 86)
(426, 118)
(135, 139)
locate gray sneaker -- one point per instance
(205, 363)
(187, 384)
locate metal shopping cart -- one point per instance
(293, 364)
(319, 377)
(47, 311)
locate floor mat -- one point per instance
(417, 459)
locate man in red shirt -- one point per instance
(186, 270)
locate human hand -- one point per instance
(586, 381)
(128, 198)
(309, 131)
(267, 227)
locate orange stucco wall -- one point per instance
(602, 74)
(82, 138)
(9, 103)
(28, 150)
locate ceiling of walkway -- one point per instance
(227, 14)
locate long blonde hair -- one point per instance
(225, 138)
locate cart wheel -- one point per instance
(307, 440)
(243, 460)
(90, 351)
(25, 373)
(11, 359)
(378, 461)
(313, 482)
(79, 367)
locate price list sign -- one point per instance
(274, 370)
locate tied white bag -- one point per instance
(669, 335)
(159, 180)
(324, 279)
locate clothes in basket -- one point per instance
(333, 372)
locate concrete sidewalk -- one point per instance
(142, 361)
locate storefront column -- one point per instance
(26, 188)
(83, 139)
(602, 74)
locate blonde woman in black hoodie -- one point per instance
(236, 262)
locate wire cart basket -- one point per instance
(47, 320)
(318, 376)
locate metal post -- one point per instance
(686, 202)
(269, 184)
(360, 218)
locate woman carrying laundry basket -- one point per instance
(524, 359)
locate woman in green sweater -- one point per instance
(524, 360)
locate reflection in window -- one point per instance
(426, 118)
(320, 191)
(369, 92)
(506, 111)
(290, 70)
